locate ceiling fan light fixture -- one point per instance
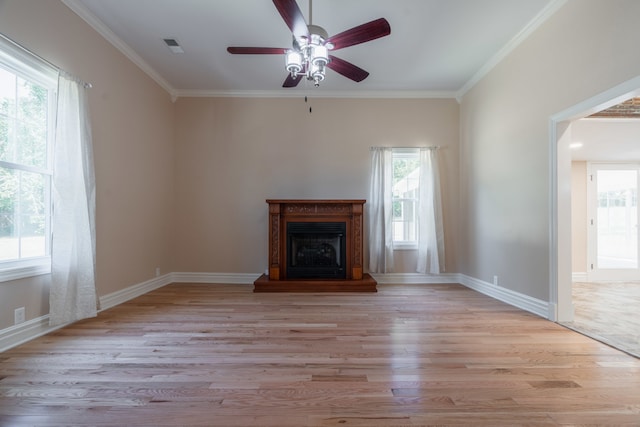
(307, 59)
(316, 73)
(319, 58)
(293, 62)
(319, 55)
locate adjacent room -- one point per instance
(311, 212)
(604, 182)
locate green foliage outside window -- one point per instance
(23, 145)
(402, 168)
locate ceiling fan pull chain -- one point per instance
(305, 101)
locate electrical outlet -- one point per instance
(18, 316)
(157, 271)
(495, 280)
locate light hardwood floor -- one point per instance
(220, 355)
(609, 312)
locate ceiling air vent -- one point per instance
(173, 45)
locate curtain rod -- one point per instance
(49, 63)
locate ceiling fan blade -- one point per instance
(360, 34)
(293, 17)
(291, 82)
(347, 69)
(256, 50)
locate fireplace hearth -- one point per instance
(315, 246)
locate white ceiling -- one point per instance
(606, 140)
(436, 47)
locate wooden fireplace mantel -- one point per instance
(282, 211)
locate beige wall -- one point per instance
(579, 217)
(133, 133)
(587, 47)
(233, 153)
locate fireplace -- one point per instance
(315, 245)
(316, 250)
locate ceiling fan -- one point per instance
(309, 55)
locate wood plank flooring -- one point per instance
(410, 355)
(609, 312)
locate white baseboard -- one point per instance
(579, 277)
(19, 334)
(216, 278)
(126, 294)
(15, 335)
(516, 299)
(414, 278)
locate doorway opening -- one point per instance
(562, 302)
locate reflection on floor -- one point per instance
(608, 312)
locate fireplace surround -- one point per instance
(315, 246)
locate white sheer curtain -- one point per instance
(73, 290)
(381, 211)
(430, 229)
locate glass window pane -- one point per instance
(24, 144)
(32, 142)
(7, 115)
(8, 214)
(24, 214)
(617, 219)
(32, 240)
(32, 193)
(9, 247)
(406, 180)
(32, 102)
(31, 131)
(32, 214)
(7, 92)
(5, 141)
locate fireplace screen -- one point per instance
(316, 250)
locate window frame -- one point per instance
(407, 153)
(27, 66)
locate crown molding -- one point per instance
(315, 93)
(533, 25)
(79, 9)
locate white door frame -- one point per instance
(560, 303)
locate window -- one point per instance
(406, 196)
(27, 97)
(405, 208)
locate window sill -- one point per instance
(15, 270)
(405, 246)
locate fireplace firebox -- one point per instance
(315, 246)
(316, 250)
